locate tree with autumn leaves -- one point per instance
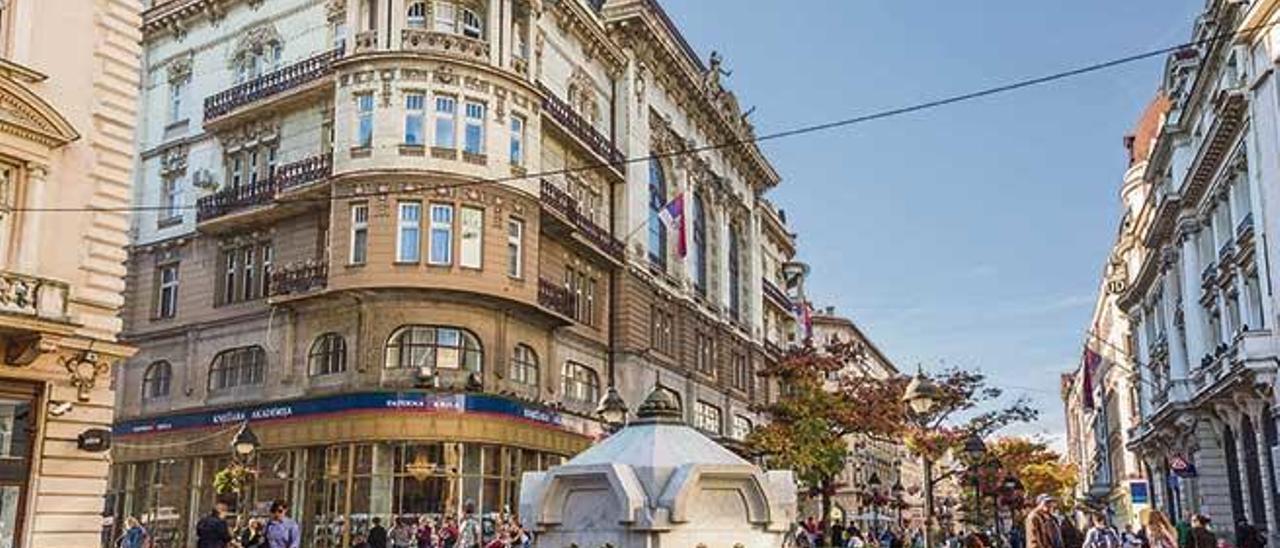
(820, 406)
(1039, 470)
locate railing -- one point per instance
(1246, 225)
(272, 83)
(1224, 252)
(230, 199)
(32, 296)
(555, 297)
(776, 294)
(561, 202)
(444, 43)
(366, 40)
(580, 128)
(1206, 275)
(772, 348)
(299, 278)
(302, 172)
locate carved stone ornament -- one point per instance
(335, 10)
(255, 41)
(83, 371)
(173, 162)
(250, 133)
(180, 69)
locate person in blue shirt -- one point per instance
(282, 531)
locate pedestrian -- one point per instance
(135, 536)
(212, 530)
(377, 534)
(252, 536)
(1071, 536)
(1160, 533)
(1201, 536)
(404, 534)
(1101, 535)
(282, 531)
(1248, 536)
(426, 534)
(837, 534)
(1041, 526)
(1130, 539)
(470, 534)
(449, 533)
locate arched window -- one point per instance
(524, 365)
(657, 199)
(435, 347)
(156, 380)
(416, 16)
(581, 384)
(328, 355)
(735, 273)
(699, 250)
(234, 367)
(471, 25)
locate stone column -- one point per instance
(1192, 313)
(1147, 386)
(497, 12)
(1169, 300)
(29, 255)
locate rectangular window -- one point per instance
(171, 199)
(707, 418)
(253, 169)
(517, 141)
(271, 163)
(408, 240)
(414, 116)
(230, 258)
(441, 234)
(446, 112)
(475, 128)
(167, 300)
(364, 120)
(741, 427)
(266, 270)
(250, 267)
(515, 248)
(470, 248)
(177, 89)
(359, 233)
(741, 372)
(1253, 292)
(236, 169)
(19, 430)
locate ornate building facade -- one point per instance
(1197, 282)
(422, 220)
(67, 115)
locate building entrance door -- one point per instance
(17, 434)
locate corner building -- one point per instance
(400, 240)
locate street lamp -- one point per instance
(897, 491)
(920, 397)
(245, 442)
(975, 447)
(612, 409)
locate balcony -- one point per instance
(1244, 230)
(33, 297)
(445, 44)
(556, 200)
(291, 176)
(299, 278)
(578, 127)
(776, 295)
(555, 297)
(271, 84)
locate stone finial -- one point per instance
(659, 406)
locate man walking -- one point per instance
(1041, 526)
(282, 531)
(212, 530)
(1101, 535)
(1201, 536)
(470, 534)
(377, 534)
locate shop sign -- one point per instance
(1138, 492)
(94, 440)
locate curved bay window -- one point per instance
(524, 365)
(156, 380)
(433, 347)
(657, 199)
(236, 367)
(581, 384)
(328, 355)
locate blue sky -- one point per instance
(973, 234)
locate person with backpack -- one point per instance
(470, 534)
(135, 536)
(1101, 535)
(212, 530)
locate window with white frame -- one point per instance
(471, 241)
(253, 167)
(416, 15)
(170, 198)
(515, 248)
(581, 384)
(474, 128)
(157, 380)
(328, 355)
(441, 234)
(236, 367)
(408, 233)
(364, 120)
(517, 141)
(236, 169)
(167, 291)
(359, 233)
(741, 427)
(1253, 292)
(267, 252)
(524, 365)
(248, 287)
(414, 118)
(446, 113)
(741, 371)
(706, 417)
(177, 91)
(472, 26)
(231, 261)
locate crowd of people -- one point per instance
(281, 531)
(809, 534)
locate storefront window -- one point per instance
(16, 431)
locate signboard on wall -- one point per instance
(1138, 493)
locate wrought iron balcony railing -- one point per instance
(303, 172)
(33, 296)
(579, 127)
(556, 199)
(555, 297)
(299, 278)
(270, 84)
(776, 294)
(444, 43)
(262, 192)
(1245, 225)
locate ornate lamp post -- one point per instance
(612, 410)
(976, 449)
(920, 397)
(1009, 489)
(896, 492)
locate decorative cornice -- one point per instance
(585, 27)
(25, 114)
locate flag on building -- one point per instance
(673, 215)
(804, 318)
(1091, 362)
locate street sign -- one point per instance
(1138, 492)
(1181, 467)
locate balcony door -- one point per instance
(17, 436)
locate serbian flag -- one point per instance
(673, 215)
(1091, 362)
(804, 316)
